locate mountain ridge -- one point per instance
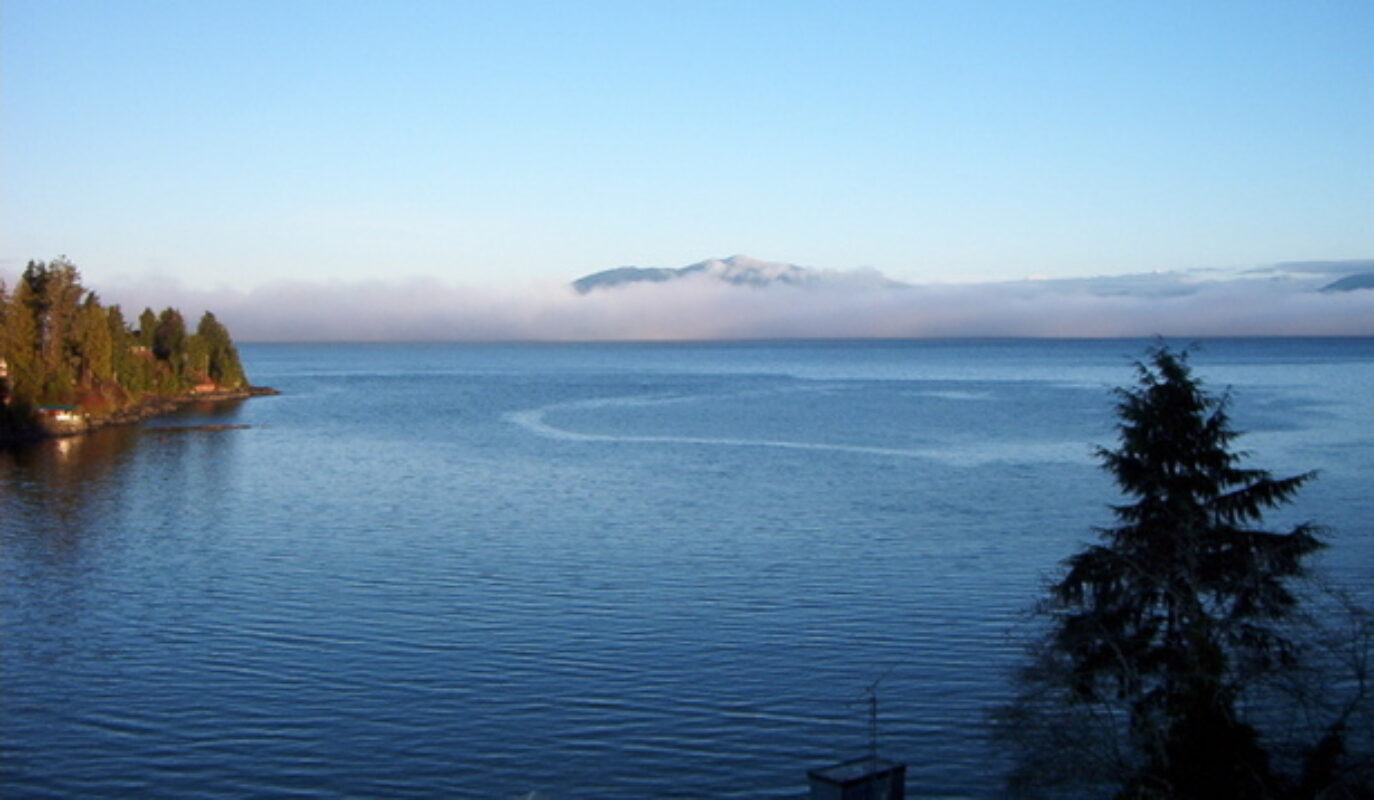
(1351, 283)
(736, 270)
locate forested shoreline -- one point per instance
(65, 355)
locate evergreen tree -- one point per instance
(169, 337)
(223, 366)
(124, 363)
(61, 293)
(147, 328)
(19, 341)
(196, 359)
(95, 345)
(1157, 631)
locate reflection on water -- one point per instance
(67, 484)
(78, 483)
(69, 505)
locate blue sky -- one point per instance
(232, 144)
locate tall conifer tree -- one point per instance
(1173, 613)
(20, 339)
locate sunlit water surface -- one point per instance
(590, 571)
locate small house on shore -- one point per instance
(61, 420)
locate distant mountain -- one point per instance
(738, 270)
(1348, 266)
(1350, 283)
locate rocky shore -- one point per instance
(76, 423)
(156, 406)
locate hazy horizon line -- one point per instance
(1281, 300)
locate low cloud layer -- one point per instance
(1171, 304)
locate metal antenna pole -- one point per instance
(872, 692)
(873, 722)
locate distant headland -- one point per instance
(69, 364)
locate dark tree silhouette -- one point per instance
(1157, 631)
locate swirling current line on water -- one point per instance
(533, 421)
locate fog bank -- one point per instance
(1284, 303)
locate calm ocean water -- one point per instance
(590, 571)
